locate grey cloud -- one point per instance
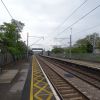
(41, 17)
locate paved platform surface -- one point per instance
(18, 86)
(8, 75)
(89, 64)
(41, 89)
(13, 90)
(80, 62)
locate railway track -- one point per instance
(82, 74)
(65, 90)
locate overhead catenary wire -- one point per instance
(64, 37)
(10, 15)
(37, 37)
(79, 19)
(35, 42)
(71, 14)
(88, 28)
(98, 25)
(7, 9)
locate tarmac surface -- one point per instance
(20, 82)
(8, 75)
(14, 87)
(41, 88)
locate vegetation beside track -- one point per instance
(12, 48)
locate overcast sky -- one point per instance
(42, 17)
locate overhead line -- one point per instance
(89, 28)
(35, 42)
(79, 19)
(10, 15)
(61, 38)
(72, 13)
(7, 9)
(37, 37)
(85, 30)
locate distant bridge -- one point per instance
(37, 49)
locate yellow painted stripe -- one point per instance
(31, 87)
(38, 79)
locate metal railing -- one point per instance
(79, 56)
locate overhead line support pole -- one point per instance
(27, 45)
(70, 45)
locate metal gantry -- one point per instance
(34, 42)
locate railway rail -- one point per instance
(53, 68)
(85, 75)
(65, 90)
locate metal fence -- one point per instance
(79, 56)
(5, 59)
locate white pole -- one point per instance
(70, 44)
(94, 43)
(27, 45)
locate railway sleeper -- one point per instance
(64, 88)
(70, 95)
(62, 85)
(77, 98)
(68, 91)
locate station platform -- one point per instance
(88, 64)
(40, 88)
(85, 63)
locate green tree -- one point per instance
(10, 38)
(86, 44)
(57, 50)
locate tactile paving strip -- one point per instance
(41, 89)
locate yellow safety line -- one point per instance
(31, 87)
(37, 73)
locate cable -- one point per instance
(79, 19)
(37, 37)
(83, 30)
(35, 42)
(10, 16)
(72, 13)
(61, 38)
(88, 28)
(7, 9)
